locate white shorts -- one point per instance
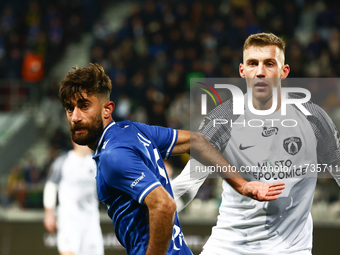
(80, 237)
(214, 247)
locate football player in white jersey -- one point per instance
(78, 226)
(283, 226)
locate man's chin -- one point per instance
(261, 96)
(80, 139)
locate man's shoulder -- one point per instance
(134, 133)
(126, 128)
(61, 158)
(223, 110)
(123, 137)
(120, 132)
(315, 110)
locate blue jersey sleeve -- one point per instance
(165, 138)
(125, 170)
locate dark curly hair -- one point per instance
(91, 80)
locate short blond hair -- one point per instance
(264, 39)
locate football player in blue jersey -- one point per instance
(131, 177)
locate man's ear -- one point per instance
(285, 71)
(241, 71)
(108, 109)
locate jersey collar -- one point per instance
(102, 136)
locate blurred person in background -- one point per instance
(283, 226)
(72, 177)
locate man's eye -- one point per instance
(85, 106)
(69, 108)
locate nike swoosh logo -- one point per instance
(245, 147)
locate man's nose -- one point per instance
(76, 115)
(260, 72)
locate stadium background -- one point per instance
(150, 50)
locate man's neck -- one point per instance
(106, 122)
(80, 152)
(92, 146)
(266, 105)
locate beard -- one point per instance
(91, 134)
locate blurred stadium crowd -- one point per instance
(159, 47)
(42, 30)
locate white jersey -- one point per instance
(278, 153)
(77, 194)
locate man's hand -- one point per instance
(262, 191)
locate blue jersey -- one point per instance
(129, 166)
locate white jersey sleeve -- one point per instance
(51, 186)
(328, 140)
(50, 195)
(56, 169)
(186, 185)
(218, 137)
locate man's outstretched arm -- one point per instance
(162, 208)
(202, 150)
